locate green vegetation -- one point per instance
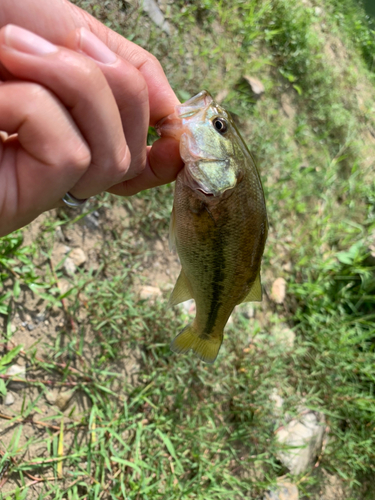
(178, 429)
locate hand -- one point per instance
(72, 122)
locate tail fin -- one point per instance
(205, 348)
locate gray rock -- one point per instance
(283, 491)
(69, 266)
(155, 14)
(16, 371)
(30, 327)
(304, 438)
(9, 399)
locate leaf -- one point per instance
(9, 356)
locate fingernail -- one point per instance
(19, 39)
(95, 48)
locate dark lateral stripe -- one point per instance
(217, 284)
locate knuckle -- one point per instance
(78, 159)
(122, 162)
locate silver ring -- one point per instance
(73, 202)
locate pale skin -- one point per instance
(76, 100)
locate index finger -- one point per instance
(54, 20)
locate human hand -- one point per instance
(73, 123)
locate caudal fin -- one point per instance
(206, 349)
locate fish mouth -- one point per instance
(193, 105)
(173, 125)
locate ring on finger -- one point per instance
(72, 201)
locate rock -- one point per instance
(16, 371)
(283, 491)
(256, 85)
(91, 221)
(59, 235)
(247, 310)
(277, 401)
(69, 266)
(304, 436)
(63, 399)
(51, 396)
(30, 327)
(9, 399)
(39, 318)
(63, 285)
(149, 292)
(284, 336)
(278, 290)
(155, 14)
(78, 256)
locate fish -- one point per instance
(218, 223)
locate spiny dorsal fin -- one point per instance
(255, 293)
(181, 291)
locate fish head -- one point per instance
(210, 144)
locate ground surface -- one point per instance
(102, 408)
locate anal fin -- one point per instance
(181, 291)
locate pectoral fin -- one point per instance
(255, 293)
(181, 291)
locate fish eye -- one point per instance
(220, 125)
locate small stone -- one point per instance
(16, 371)
(78, 256)
(247, 310)
(51, 396)
(91, 221)
(256, 85)
(283, 491)
(156, 15)
(149, 292)
(59, 235)
(30, 327)
(278, 291)
(39, 318)
(9, 399)
(304, 438)
(64, 286)
(69, 266)
(63, 399)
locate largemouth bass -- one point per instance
(218, 223)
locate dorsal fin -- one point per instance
(255, 292)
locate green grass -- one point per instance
(180, 429)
